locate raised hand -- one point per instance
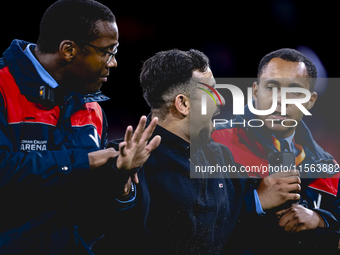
(135, 149)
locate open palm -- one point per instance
(135, 149)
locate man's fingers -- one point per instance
(289, 223)
(140, 134)
(135, 178)
(122, 147)
(149, 130)
(284, 219)
(295, 187)
(128, 136)
(297, 228)
(293, 179)
(282, 212)
(289, 227)
(285, 174)
(153, 144)
(127, 187)
(153, 124)
(289, 179)
(293, 196)
(287, 219)
(139, 130)
(134, 150)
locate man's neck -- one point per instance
(173, 125)
(49, 63)
(286, 134)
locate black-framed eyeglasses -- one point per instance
(111, 54)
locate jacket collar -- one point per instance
(170, 139)
(303, 136)
(22, 69)
(44, 75)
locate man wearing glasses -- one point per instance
(53, 134)
(107, 54)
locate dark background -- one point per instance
(234, 35)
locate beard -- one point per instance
(204, 137)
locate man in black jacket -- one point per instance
(176, 213)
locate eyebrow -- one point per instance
(295, 84)
(272, 81)
(110, 46)
(277, 83)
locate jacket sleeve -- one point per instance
(120, 179)
(249, 200)
(321, 200)
(104, 139)
(21, 170)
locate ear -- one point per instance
(182, 104)
(67, 50)
(255, 90)
(312, 100)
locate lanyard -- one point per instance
(299, 158)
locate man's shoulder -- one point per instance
(218, 152)
(2, 63)
(218, 148)
(314, 151)
(226, 134)
(234, 139)
(4, 70)
(245, 150)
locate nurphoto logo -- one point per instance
(238, 103)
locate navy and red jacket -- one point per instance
(250, 147)
(46, 186)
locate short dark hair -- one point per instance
(293, 56)
(168, 73)
(71, 20)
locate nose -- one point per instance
(277, 98)
(220, 99)
(112, 63)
